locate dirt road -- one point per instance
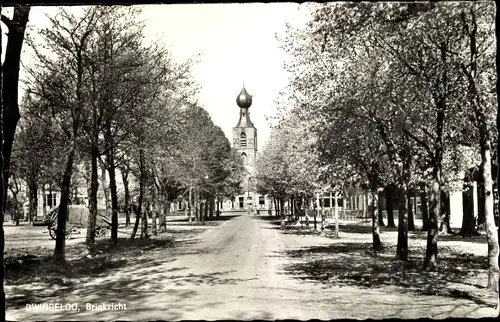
(234, 271)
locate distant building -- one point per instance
(245, 142)
(48, 198)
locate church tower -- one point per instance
(245, 133)
(245, 142)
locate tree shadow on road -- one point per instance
(41, 267)
(137, 286)
(479, 237)
(358, 228)
(34, 277)
(354, 264)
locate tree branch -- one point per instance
(7, 22)
(421, 142)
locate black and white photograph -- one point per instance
(249, 161)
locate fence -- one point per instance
(344, 214)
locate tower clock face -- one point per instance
(235, 140)
(250, 141)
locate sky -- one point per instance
(237, 43)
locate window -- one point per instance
(51, 200)
(340, 201)
(261, 200)
(244, 158)
(243, 140)
(326, 203)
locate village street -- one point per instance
(231, 271)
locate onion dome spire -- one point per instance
(244, 100)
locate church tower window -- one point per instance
(243, 140)
(244, 158)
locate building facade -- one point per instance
(49, 196)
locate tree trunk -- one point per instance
(210, 209)
(468, 220)
(377, 244)
(322, 211)
(114, 195)
(415, 210)
(277, 207)
(425, 207)
(62, 213)
(154, 223)
(316, 207)
(195, 205)
(127, 197)
(389, 190)
(488, 204)
(497, 32)
(217, 212)
(154, 230)
(9, 78)
(44, 201)
(141, 194)
(336, 216)
(411, 220)
(190, 205)
(144, 226)
(137, 212)
(444, 218)
(94, 186)
(201, 208)
(432, 234)
(205, 212)
(380, 214)
(481, 219)
(365, 204)
(33, 199)
(296, 208)
(402, 246)
(166, 211)
(16, 207)
(10, 90)
(105, 188)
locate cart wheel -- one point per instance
(68, 232)
(103, 232)
(52, 233)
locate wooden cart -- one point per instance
(77, 219)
